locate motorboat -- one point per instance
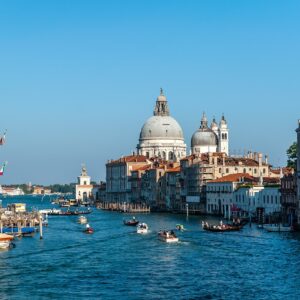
(278, 228)
(142, 228)
(168, 236)
(88, 229)
(82, 220)
(5, 241)
(132, 222)
(180, 227)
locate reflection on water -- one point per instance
(115, 262)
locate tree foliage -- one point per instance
(292, 156)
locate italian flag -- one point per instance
(2, 139)
(3, 168)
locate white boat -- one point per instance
(5, 240)
(278, 228)
(49, 211)
(142, 228)
(82, 220)
(168, 236)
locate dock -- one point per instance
(124, 207)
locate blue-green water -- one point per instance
(117, 263)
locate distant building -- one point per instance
(289, 201)
(298, 170)
(84, 187)
(99, 191)
(243, 194)
(41, 190)
(118, 174)
(197, 170)
(11, 191)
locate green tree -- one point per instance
(292, 156)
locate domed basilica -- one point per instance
(210, 139)
(161, 135)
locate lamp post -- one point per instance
(187, 209)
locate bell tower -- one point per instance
(223, 136)
(161, 107)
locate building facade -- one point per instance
(118, 174)
(83, 189)
(298, 170)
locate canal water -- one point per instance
(116, 263)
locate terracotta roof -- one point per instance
(235, 178)
(285, 171)
(176, 169)
(129, 158)
(141, 167)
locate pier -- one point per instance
(124, 207)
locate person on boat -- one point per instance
(87, 226)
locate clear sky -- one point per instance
(79, 78)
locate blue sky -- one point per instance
(79, 78)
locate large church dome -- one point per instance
(161, 135)
(161, 127)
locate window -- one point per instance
(244, 170)
(255, 171)
(220, 170)
(227, 170)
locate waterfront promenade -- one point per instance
(116, 263)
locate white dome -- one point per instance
(204, 137)
(161, 127)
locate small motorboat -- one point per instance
(168, 236)
(88, 229)
(5, 241)
(180, 227)
(82, 220)
(132, 222)
(278, 228)
(142, 228)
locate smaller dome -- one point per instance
(204, 137)
(161, 97)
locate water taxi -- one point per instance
(142, 228)
(168, 236)
(5, 241)
(82, 220)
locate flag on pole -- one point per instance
(2, 138)
(3, 168)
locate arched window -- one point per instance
(171, 155)
(147, 154)
(164, 155)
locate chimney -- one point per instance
(259, 159)
(210, 158)
(266, 159)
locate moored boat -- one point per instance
(278, 228)
(5, 241)
(142, 228)
(168, 236)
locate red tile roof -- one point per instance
(235, 178)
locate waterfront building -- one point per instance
(161, 135)
(41, 190)
(83, 189)
(242, 194)
(11, 191)
(198, 169)
(118, 174)
(298, 170)
(211, 139)
(289, 203)
(99, 191)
